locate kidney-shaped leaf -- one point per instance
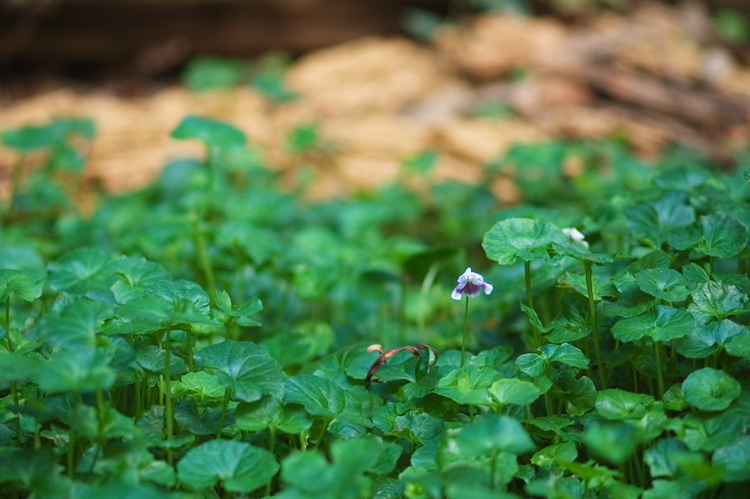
(710, 389)
(662, 324)
(492, 433)
(244, 367)
(76, 326)
(76, 370)
(239, 466)
(211, 132)
(721, 236)
(523, 238)
(665, 284)
(23, 285)
(514, 391)
(618, 404)
(321, 397)
(717, 300)
(79, 271)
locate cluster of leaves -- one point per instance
(138, 359)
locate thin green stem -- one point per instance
(168, 390)
(71, 452)
(547, 398)
(224, 408)
(137, 394)
(13, 387)
(203, 260)
(271, 449)
(466, 321)
(659, 371)
(100, 417)
(530, 302)
(493, 470)
(594, 324)
(189, 339)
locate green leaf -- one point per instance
(652, 221)
(137, 275)
(76, 370)
(211, 132)
(205, 384)
(491, 434)
(302, 344)
(717, 300)
(24, 285)
(79, 271)
(565, 451)
(213, 73)
(661, 457)
(514, 391)
(241, 314)
(618, 404)
(271, 86)
(739, 346)
(613, 442)
(521, 238)
(531, 364)
(734, 458)
(18, 366)
(30, 138)
(75, 327)
(468, 385)
(702, 341)
(238, 466)
(722, 236)
(710, 390)
(665, 284)
(566, 354)
(321, 397)
(199, 422)
(580, 393)
(244, 367)
(154, 359)
(269, 413)
(661, 323)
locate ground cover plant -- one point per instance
(215, 335)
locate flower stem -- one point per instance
(594, 324)
(466, 321)
(271, 449)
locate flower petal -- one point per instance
(456, 294)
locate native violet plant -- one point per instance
(208, 335)
(470, 285)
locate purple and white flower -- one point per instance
(470, 284)
(575, 235)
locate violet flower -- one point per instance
(470, 284)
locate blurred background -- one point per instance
(359, 87)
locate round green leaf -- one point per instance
(717, 300)
(661, 323)
(491, 433)
(75, 327)
(618, 404)
(23, 285)
(468, 384)
(521, 238)
(79, 271)
(613, 442)
(239, 466)
(244, 367)
(735, 459)
(665, 284)
(722, 236)
(211, 132)
(710, 390)
(739, 346)
(565, 353)
(514, 391)
(76, 370)
(321, 397)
